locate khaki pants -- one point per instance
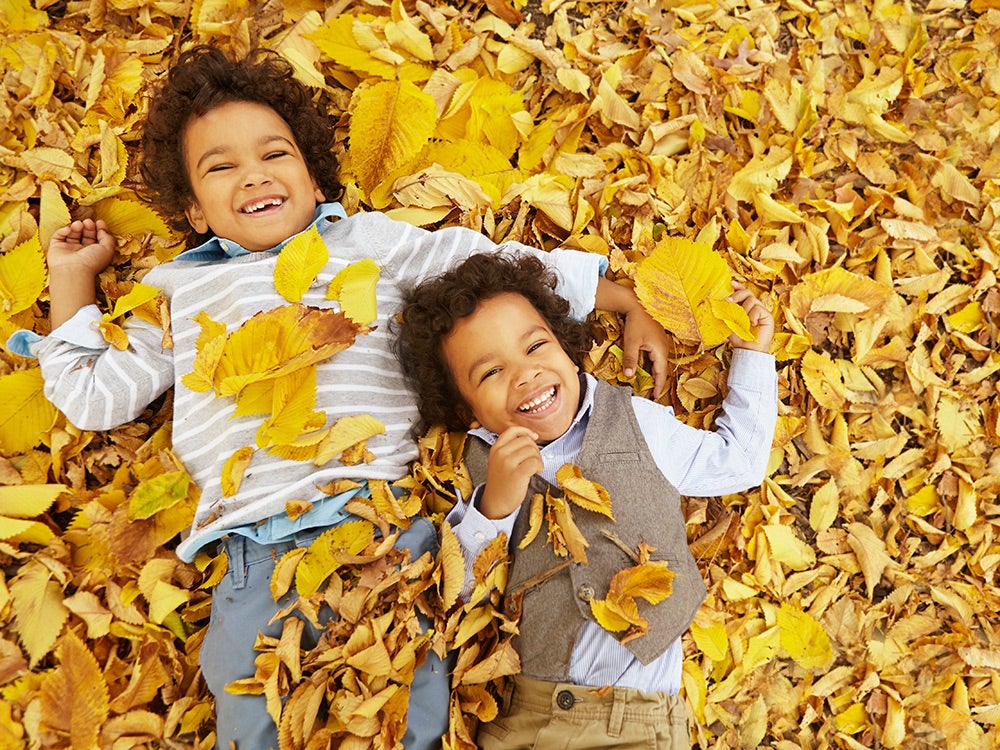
(562, 716)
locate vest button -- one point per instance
(565, 700)
(585, 592)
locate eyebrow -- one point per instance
(267, 139)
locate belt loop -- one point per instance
(617, 720)
(506, 695)
(237, 562)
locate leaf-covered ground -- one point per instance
(842, 157)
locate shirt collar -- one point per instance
(218, 248)
(588, 383)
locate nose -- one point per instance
(256, 174)
(527, 374)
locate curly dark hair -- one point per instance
(431, 310)
(203, 78)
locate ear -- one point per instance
(318, 193)
(466, 415)
(196, 218)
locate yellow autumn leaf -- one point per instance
(583, 492)
(209, 347)
(21, 503)
(434, 187)
(22, 276)
(52, 213)
(298, 263)
(608, 616)
(503, 661)
(824, 380)
(564, 535)
(19, 15)
(38, 609)
(234, 469)
(574, 80)
(550, 194)
(853, 720)
(678, 283)
(67, 710)
(26, 416)
(651, 580)
(350, 41)
(391, 122)
(871, 551)
(278, 341)
(837, 290)
(290, 413)
(536, 514)
(761, 175)
(344, 433)
(354, 287)
(157, 494)
(785, 547)
(481, 162)
(324, 554)
(140, 296)
(128, 218)
(803, 638)
(452, 563)
(155, 584)
(713, 640)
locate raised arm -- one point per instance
(641, 333)
(77, 253)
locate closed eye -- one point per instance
(276, 154)
(489, 373)
(218, 168)
(536, 345)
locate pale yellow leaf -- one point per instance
(391, 122)
(26, 416)
(677, 283)
(234, 469)
(22, 276)
(803, 638)
(354, 287)
(298, 263)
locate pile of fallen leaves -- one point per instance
(840, 157)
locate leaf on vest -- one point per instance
(583, 492)
(651, 580)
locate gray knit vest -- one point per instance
(646, 508)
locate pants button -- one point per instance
(565, 700)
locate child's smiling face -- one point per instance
(511, 369)
(250, 182)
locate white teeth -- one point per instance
(536, 403)
(254, 207)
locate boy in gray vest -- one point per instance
(490, 349)
(237, 155)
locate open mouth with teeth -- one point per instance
(262, 205)
(539, 403)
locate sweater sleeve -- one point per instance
(413, 255)
(99, 387)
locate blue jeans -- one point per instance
(242, 606)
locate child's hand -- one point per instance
(514, 459)
(77, 253)
(643, 333)
(84, 247)
(761, 320)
